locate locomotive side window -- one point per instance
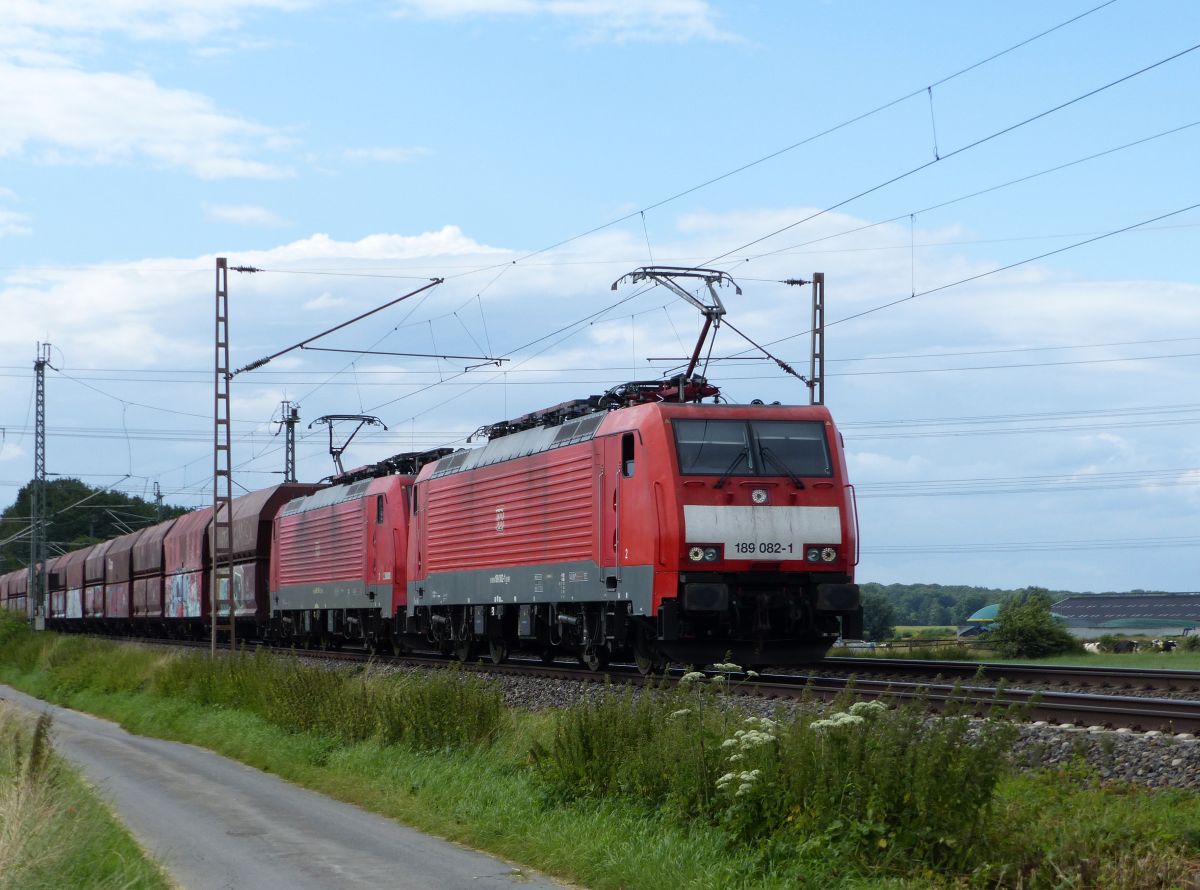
(713, 447)
(627, 455)
(379, 509)
(798, 446)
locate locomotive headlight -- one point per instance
(696, 554)
(813, 555)
(828, 554)
(711, 554)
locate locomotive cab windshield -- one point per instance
(793, 448)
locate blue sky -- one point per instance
(1030, 427)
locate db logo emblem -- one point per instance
(499, 519)
(759, 495)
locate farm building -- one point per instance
(1093, 615)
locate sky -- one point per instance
(1001, 195)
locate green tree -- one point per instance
(879, 618)
(1025, 627)
(78, 515)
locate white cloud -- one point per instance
(11, 451)
(324, 301)
(187, 20)
(13, 223)
(245, 215)
(388, 155)
(674, 21)
(62, 114)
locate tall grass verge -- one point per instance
(426, 712)
(53, 832)
(882, 785)
(641, 790)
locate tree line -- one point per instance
(78, 515)
(886, 606)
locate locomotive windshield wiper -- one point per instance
(770, 455)
(741, 456)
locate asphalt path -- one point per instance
(216, 824)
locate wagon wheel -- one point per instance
(497, 651)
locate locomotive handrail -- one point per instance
(854, 507)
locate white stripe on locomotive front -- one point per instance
(785, 529)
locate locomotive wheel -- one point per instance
(649, 662)
(462, 650)
(547, 656)
(595, 658)
(497, 651)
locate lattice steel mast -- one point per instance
(291, 416)
(816, 365)
(222, 589)
(37, 494)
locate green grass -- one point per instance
(1167, 661)
(54, 831)
(633, 792)
(936, 631)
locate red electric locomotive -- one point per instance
(640, 523)
(338, 557)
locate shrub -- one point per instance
(1025, 628)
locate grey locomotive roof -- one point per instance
(326, 497)
(1110, 607)
(531, 441)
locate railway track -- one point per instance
(1108, 678)
(975, 696)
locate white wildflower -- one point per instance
(867, 708)
(754, 738)
(726, 779)
(734, 758)
(744, 788)
(763, 723)
(719, 678)
(683, 712)
(692, 677)
(849, 719)
(728, 667)
(752, 674)
(729, 743)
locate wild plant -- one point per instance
(446, 709)
(882, 783)
(658, 746)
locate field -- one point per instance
(676, 789)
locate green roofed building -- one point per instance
(986, 615)
(1091, 615)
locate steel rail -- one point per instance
(1062, 675)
